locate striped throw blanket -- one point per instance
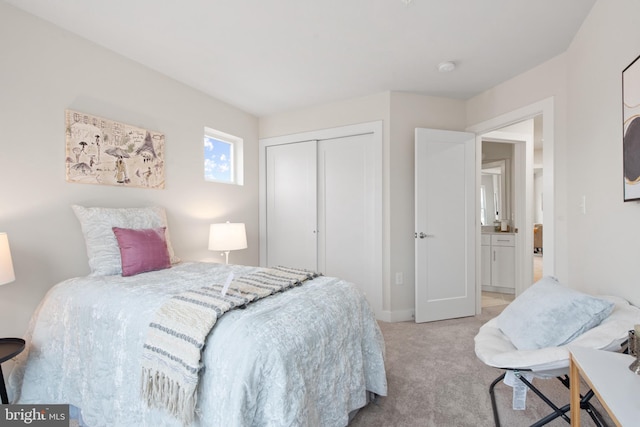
(176, 335)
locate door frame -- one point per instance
(544, 107)
(375, 128)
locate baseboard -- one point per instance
(398, 316)
(499, 289)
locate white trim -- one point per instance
(397, 316)
(374, 128)
(546, 108)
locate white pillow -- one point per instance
(549, 314)
(101, 242)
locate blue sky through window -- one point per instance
(218, 160)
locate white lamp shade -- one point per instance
(227, 236)
(6, 264)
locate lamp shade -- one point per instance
(6, 264)
(227, 236)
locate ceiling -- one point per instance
(271, 56)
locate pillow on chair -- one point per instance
(549, 314)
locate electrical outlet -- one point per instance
(399, 278)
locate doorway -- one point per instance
(542, 113)
(495, 148)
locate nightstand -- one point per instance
(9, 348)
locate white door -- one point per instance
(346, 199)
(445, 202)
(291, 205)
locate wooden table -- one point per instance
(616, 387)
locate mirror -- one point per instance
(493, 192)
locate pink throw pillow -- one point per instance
(142, 250)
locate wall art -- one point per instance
(631, 130)
(107, 152)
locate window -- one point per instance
(222, 157)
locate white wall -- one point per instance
(43, 71)
(409, 111)
(596, 251)
(603, 243)
(548, 80)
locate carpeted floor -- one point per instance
(490, 299)
(435, 380)
(537, 267)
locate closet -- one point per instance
(321, 205)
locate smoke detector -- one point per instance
(446, 67)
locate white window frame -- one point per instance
(237, 146)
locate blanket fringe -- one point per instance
(172, 353)
(160, 391)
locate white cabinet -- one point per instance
(485, 261)
(498, 262)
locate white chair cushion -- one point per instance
(495, 349)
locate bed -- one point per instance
(310, 356)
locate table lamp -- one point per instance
(6, 264)
(9, 347)
(226, 237)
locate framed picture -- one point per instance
(631, 130)
(106, 152)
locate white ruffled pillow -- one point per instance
(549, 314)
(102, 246)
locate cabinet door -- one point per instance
(485, 265)
(291, 205)
(503, 266)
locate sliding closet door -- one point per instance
(321, 204)
(291, 205)
(346, 199)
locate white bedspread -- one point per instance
(301, 358)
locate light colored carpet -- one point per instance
(490, 299)
(537, 267)
(435, 380)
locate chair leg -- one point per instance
(557, 411)
(591, 410)
(496, 418)
(586, 404)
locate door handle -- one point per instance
(423, 235)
